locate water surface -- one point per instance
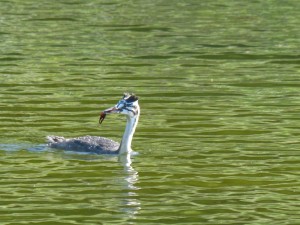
(218, 138)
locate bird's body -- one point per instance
(90, 144)
(101, 145)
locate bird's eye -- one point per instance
(121, 104)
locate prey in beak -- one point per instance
(107, 111)
(102, 117)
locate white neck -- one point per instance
(125, 146)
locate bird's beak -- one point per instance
(111, 110)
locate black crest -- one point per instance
(130, 97)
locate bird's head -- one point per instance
(128, 105)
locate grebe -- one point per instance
(128, 106)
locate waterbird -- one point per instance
(128, 105)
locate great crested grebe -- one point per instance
(128, 106)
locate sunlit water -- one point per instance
(218, 138)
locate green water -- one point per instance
(218, 138)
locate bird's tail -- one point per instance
(54, 139)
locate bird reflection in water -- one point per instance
(131, 202)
